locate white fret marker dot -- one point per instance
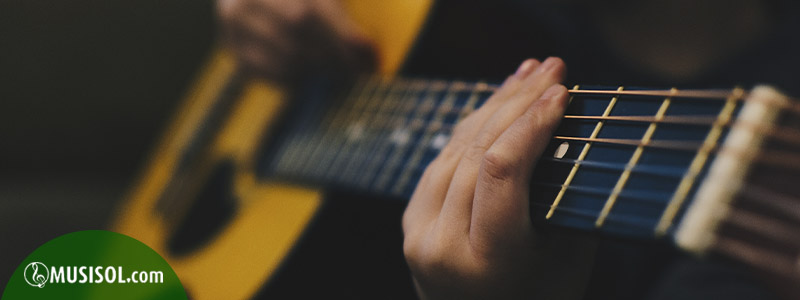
(355, 131)
(439, 141)
(561, 150)
(400, 136)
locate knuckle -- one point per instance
(449, 153)
(497, 165)
(434, 261)
(410, 251)
(408, 223)
(476, 151)
(425, 256)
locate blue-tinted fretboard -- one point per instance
(624, 161)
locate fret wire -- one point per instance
(296, 159)
(286, 155)
(402, 107)
(309, 139)
(400, 151)
(326, 151)
(623, 178)
(696, 166)
(469, 107)
(388, 103)
(314, 154)
(416, 156)
(354, 132)
(582, 155)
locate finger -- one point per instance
(343, 27)
(500, 214)
(466, 130)
(426, 202)
(457, 206)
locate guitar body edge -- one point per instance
(269, 217)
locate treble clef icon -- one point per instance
(36, 279)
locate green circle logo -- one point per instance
(36, 274)
(94, 264)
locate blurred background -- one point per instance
(85, 88)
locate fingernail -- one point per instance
(525, 68)
(548, 64)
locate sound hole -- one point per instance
(212, 208)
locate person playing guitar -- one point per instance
(467, 231)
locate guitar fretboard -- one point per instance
(624, 160)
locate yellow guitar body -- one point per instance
(270, 216)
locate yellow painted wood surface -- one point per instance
(270, 216)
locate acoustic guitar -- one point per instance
(230, 187)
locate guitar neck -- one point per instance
(624, 161)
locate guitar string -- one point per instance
(790, 135)
(682, 120)
(382, 149)
(694, 147)
(792, 105)
(750, 246)
(785, 134)
(783, 203)
(757, 255)
(647, 197)
(764, 225)
(630, 220)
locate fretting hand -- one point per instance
(468, 231)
